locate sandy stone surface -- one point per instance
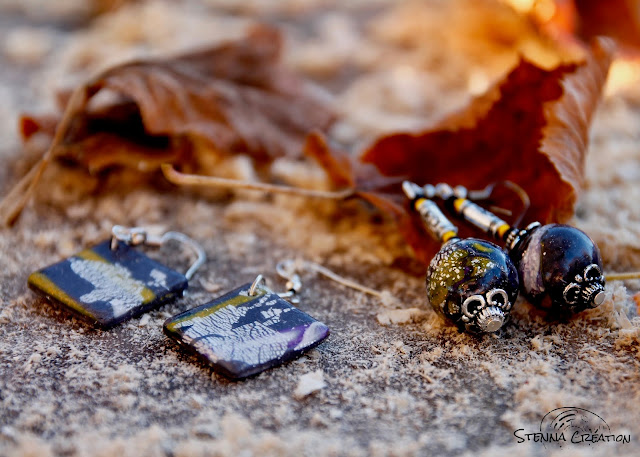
(392, 378)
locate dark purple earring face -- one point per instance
(560, 269)
(473, 283)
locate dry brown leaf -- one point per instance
(341, 168)
(530, 128)
(337, 163)
(233, 98)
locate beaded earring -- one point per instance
(470, 281)
(559, 266)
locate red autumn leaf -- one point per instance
(619, 19)
(530, 128)
(571, 21)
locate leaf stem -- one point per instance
(13, 204)
(622, 276)
(185, 179)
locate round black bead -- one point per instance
(560, 269)
(476, 272)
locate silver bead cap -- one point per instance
(490, 319)
(587, 289)
(593, 295)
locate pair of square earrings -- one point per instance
(239, 334)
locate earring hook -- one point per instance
(134, 236)
(485, 194)
(256, 283)
(445, 191)
(287, 269)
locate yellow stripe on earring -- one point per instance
(90, 254)
(51, 290)
(458, 203)
(419, 202)
(233, 301)
(503, 229)
(448, 235)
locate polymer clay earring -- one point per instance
(112, 282)
(252, 328)
(560, 267)
(471, 282)
(249, 329)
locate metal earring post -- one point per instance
(253, 290)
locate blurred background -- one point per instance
(387, 65)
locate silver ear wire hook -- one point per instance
(135, 236)
(485, 194)
(286, 269)
(258, 282)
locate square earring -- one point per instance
(247, 330)
(112, 282)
